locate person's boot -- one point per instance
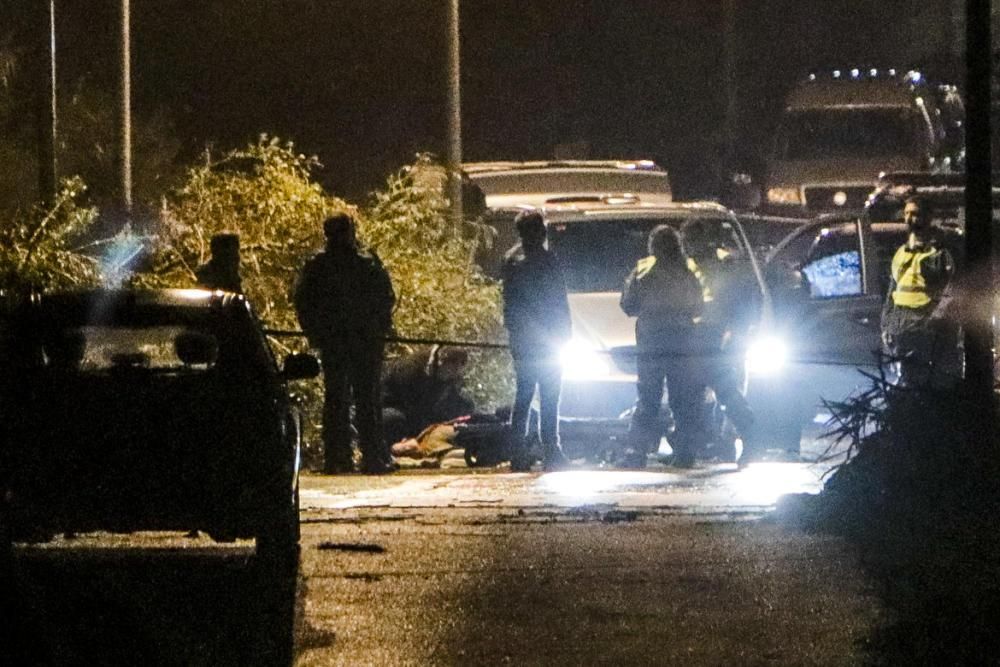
(554, 458)
(520, 455)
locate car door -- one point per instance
(825, 294)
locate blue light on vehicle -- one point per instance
(767, 355)
(581, 361)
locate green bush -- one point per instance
(47, 247)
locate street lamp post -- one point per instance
(125, 117)
(454, 159)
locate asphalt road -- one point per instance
(659, 567)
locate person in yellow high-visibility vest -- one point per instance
(918, 334)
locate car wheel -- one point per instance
(279, 539)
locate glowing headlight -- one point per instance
(581, 361)
(784, 196)
(767, 355)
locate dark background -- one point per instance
(361, 83)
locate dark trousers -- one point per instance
(684, 396)
(546, 374)
(722, 374)
(353, 370)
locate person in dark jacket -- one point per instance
(222, 270)
(424, 388)
(665, 297)
(732, 303)
(536, 314)
(344, 300)
(918, 332)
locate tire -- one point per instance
(279, 539)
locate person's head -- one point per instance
(340, 232)
(917, 214)
(448, 363)
(665, 245)
(226, 248)
(530, 227)
(697, 238)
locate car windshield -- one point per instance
(611, 181)
(855, 132)
(597, 255)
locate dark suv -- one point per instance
(129, 410)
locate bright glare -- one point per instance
(764, 483)
(767, 356)
(585, 483)
(581, 361)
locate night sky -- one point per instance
(361, 83)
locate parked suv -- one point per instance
(509, 187)
(840, 130)
(129, 410)
(598, 245)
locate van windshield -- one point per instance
(848, 133)
(597, 255)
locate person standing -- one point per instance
(536, 315)
(731, 307)
(665, 297)
(344, 301)
(222, 270)
(917, 331)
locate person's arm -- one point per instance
(564, 325)
(631, 299)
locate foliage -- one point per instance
(44, 248)
(264, 193)
(440, 291)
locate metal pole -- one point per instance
(48, 172)
(454, 161)
(729, 74)
(125, 117)
(978, 206)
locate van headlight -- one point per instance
(767, 355)
(581, 361)
(784, 196)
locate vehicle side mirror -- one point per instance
(743, 194)
(301, 367)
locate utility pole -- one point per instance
(978, 208)
(454, 160)
(46, 116)
(730, 82)
(125, 118)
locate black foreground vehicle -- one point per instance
(130, 410)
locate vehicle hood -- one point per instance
(795, 173)
(599, 320)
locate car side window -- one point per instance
(833, 266)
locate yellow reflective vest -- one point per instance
(907, 274)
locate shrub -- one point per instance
(46, 247)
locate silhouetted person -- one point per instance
(344, 302)
(536, 314)
(424, 388)
(916, 328)
(222, 270)
(731, 306)
(665, 297)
